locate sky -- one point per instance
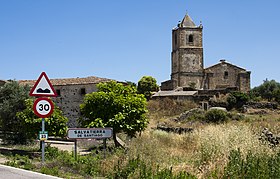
(125, 40)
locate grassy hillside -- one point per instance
(228, 149)
(204, 152)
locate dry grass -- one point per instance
(206, 149)
(201, 152)
(161, 148)
(270, 121)
(216, 141)
(161, 110)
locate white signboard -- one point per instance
(89, 133)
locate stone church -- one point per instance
(188, 65)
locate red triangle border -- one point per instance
(37, 82)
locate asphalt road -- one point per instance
(7, 172)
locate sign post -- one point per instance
(43, 142)
(43, 107)
(89, 133)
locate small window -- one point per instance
(226, 75)
(58, 92)
(190, 38)
(175, 39)
(83, 91)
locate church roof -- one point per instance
(224, 62)
(187, 22)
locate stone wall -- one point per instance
(166, 85)
(70, 98)
(244, 81)
(224, 75)
(262, 105)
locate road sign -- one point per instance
(43, 87)
(43, 107)
(43, 135)
(89, 133)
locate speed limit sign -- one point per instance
(43, 107)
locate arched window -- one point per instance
(190, 38)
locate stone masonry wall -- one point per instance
(70, 98)
(225, 75)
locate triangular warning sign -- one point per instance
(43, 87)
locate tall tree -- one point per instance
(147, 85)
(268, 90)
(12, 100)
(115, 105)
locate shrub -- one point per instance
(253, 166)
(20, 162)
(236, 116)
(216, 116)
(54, 171)
(136, 168)
(215, 143)
(237, 100)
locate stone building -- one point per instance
(71, 92)
(188, 64)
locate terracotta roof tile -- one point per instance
(69, 81)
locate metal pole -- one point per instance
(43, 142)
(104, 147)
(75, 149)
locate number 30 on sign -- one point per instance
(43, 107)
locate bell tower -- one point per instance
(187, 54)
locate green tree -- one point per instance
(131, 83)
(12, 100)
(31, 124)
(117, 106)
(276, 95)
(147, 85)
(17, 119)
(267, 90)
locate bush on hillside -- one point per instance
(253, 166)
(216, 116)
(237, 100)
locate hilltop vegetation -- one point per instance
(220, 145)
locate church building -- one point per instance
(187, 63)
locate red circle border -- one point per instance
(40, 115)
